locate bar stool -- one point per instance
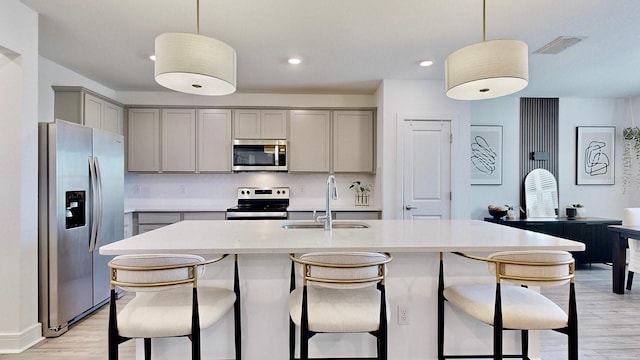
(632, 218)
(511, 307)
(168, 300)
(342, 292)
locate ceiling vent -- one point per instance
(558, 45)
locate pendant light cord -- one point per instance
(198, 17)
(484, 15)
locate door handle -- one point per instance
(409, 207)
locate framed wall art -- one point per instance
(486, 155)
(595, 155)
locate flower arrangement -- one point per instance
(360, 188)
(362, 192)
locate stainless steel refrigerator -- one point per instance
(81, 207)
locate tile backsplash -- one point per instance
(220, 189)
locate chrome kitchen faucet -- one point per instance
(331, 185)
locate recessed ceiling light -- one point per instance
(152, 57)
(294, 61)
(425, 63)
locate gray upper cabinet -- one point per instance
(332, 141)
(79, 105)
(143, 140)
(214, 140)
(260, 124)
(113, 119)
(309, 141)
(353, 141)
(178, 141)
(200, 140)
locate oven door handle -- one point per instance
(256, 214)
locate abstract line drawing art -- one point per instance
(595, 155)
(596, 162)
(486, 155)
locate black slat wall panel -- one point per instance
(538, 132)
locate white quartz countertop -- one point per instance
(268, 236)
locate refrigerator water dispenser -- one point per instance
(75, 209)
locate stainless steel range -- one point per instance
(260, 204)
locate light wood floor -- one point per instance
(609, 327)
(609, 324)
(85, 340)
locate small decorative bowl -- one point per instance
(497, 214)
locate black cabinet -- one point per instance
(593, 232)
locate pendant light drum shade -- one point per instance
(195, 64)
(487, 70)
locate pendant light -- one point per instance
(488, 69)
(195, 64)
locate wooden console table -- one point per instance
(593, 232)
(619, 244)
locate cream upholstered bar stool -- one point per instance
(632, 218)
(168, 300)
(508, 303)
(342, 292)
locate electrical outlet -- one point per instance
(403, 315)
(182, 189)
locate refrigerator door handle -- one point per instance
(98, 215)
(94, 204)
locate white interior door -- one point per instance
(427, 169)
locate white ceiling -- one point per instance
(348, 46)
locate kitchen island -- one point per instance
(264, 246)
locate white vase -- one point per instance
(581, 212)
(362, 199)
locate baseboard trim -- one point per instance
(14, 343)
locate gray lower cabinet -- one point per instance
(147, 221)
(593, 232)
(128, 225)
(204, 215)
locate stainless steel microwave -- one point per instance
(259, 155)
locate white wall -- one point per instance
(605, 201)
(503, 111)
(53, 74)
(19, 327)
(422, 99)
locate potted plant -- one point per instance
(362, 192)
(581, 211)
(631, 153)
(510, 213)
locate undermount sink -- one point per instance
(317, 225)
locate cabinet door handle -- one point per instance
(409, 207)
